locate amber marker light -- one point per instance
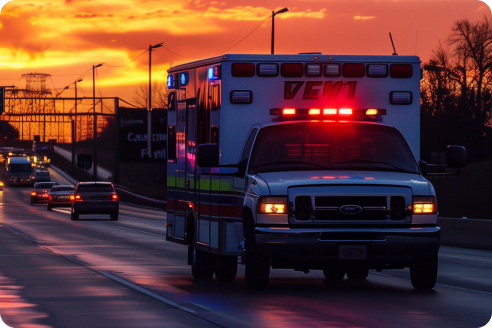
(289, 111)
(314, 111)
(372, 112)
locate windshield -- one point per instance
(20, 168)
(331, 146)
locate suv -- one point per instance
(95, 198)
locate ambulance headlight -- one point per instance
(272, 205)
(424, 205)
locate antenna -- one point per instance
(394, 50)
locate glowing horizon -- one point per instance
(64, 38)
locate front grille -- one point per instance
(350, 208)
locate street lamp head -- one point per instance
(98, 65)
(157, 45)
(284, 10)
(79, 81)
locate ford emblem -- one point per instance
(350, 209)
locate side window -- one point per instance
(249, 144)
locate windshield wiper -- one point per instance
(375, 162)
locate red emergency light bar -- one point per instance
(366, 113)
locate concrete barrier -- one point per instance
(463, 232)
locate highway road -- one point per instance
(55, 272)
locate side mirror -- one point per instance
(456, 157)
(241, 172)
(207, 155)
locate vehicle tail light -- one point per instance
(401, 71)
(273, 205)
(377, 70)
(51, 198)
(314, 111)
(345, 111)
(243, 69)
(114, 196)
(33, 193)
(424, 205)
(1, 184)
(75, 197)
(289, 111)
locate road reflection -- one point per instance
(15, 311)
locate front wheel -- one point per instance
(423, 273)
(202, 264)
(257, 270)
(334, 273)
(226, 268)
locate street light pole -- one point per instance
(94, 136)
(149, 109)
(273, 25)
(74, 129)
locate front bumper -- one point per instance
(310, 248)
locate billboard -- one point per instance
(132, 131)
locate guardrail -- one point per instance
(464, 232)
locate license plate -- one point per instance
(353, 252)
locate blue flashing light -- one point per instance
(170, 81)
(184, 78)
(214, 73)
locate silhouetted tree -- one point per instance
(457, 89)
(159, 95)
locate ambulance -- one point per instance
(303, 162)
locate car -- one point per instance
(39, 195)
(42, 175)
(95, 197)
(59, 196)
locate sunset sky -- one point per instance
(65, 38)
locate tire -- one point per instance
(74, 216)
(357, 273)
(226, 267)
(423, 274)
(202, 264)
(114, 216)
(257, 270)
(334, 273)
(48, 208)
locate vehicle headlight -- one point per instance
(424, 205)
(272, 205)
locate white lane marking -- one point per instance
(148, 233)
(465, 289)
